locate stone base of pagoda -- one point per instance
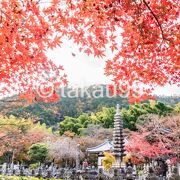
(117, 163)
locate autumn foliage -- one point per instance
(141, 36)
(158, 136)
(24, 38)
(142, 148)
(17, 135)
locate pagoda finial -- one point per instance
(117, 109)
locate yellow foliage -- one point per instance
(108, 160)
(177, 108)
(126, 158)
(152, 103)
(69, 134)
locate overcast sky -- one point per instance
(83, 70)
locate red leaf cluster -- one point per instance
(142, 37)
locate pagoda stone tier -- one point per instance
(118, 138)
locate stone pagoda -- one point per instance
(118, 138)
(116, 146)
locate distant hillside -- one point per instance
(170, 100)
(52, 113)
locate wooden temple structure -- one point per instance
(116, 146)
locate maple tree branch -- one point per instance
(138, 43)
(2, 12)
(1, 17)
(155, 17)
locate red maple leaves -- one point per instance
(24, 38)
(148, 54)
(140, 147)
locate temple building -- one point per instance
(116, 146)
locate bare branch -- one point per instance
(155, 17)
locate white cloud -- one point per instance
(83, 70)
(80, 68)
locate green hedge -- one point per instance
(22, 178)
